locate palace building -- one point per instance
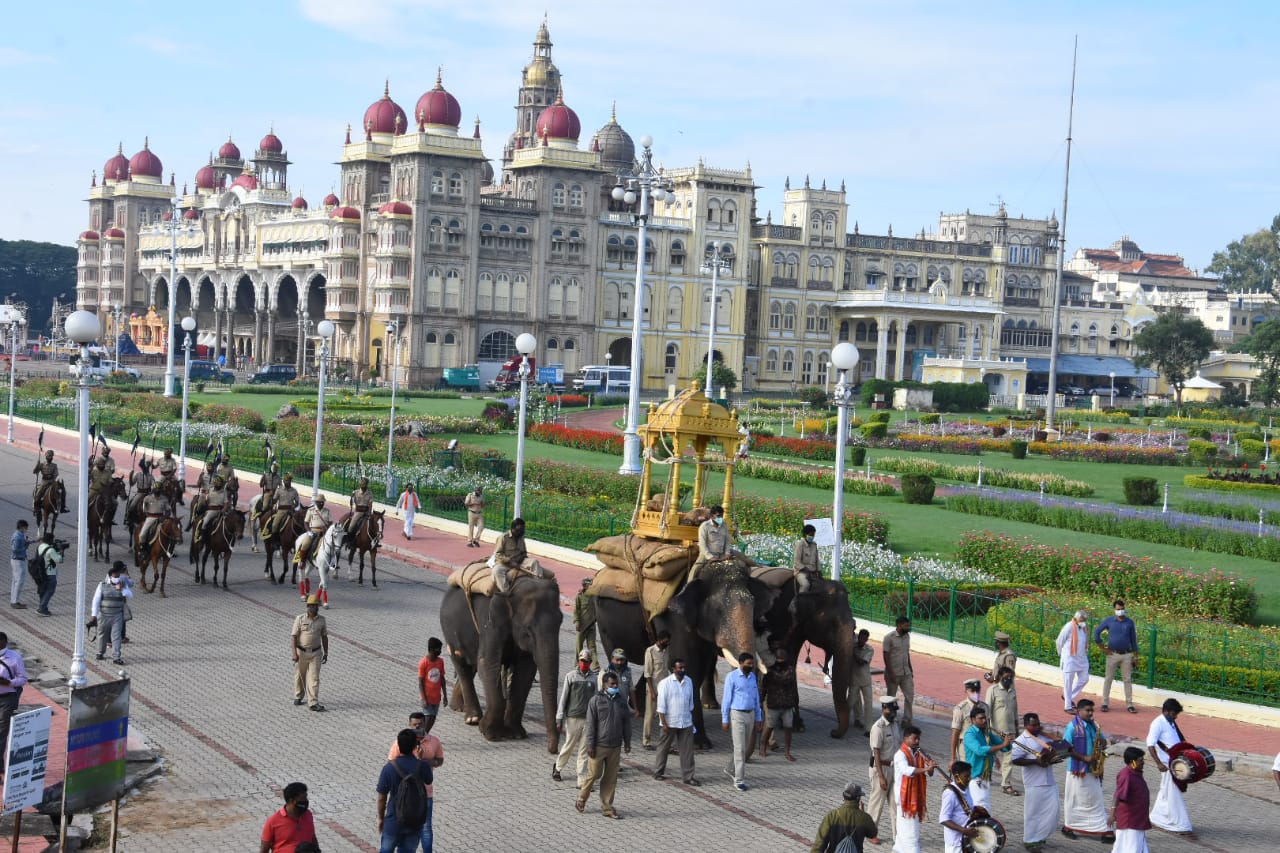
(423, 231)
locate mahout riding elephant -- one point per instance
(822, 618)
(506, 639)
(720, 612)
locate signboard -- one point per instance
(97, 735)
(824, 533)
(28, 751)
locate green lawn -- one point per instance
(407, 405)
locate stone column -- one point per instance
(900, 355)
(217, 331)
(987, 334)
(256, 347)
(882, 347)
(267, 357)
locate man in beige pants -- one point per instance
(309, 643)
(474, 502)
(886, 737)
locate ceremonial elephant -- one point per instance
(721, 611)
(820, 617)
(506, 639)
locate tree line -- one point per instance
(37, 273)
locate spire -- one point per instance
(146, 143)
(368, 131)
(613, 113)
(348, 133)
(386, 89)
(120, 148)
(476, 135)
(172, 181)
(93, 181)
(560, 97)
(787, 184)
(422, 121)
(184, 188)
(439, 78)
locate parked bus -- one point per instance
(601, 379)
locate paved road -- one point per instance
(212, 692)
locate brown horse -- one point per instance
(282, 542)
(367, 538)
(171, 488)
(161, 551)
(226, 531)
(102, 516)
(46, 509)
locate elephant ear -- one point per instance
(687, 603)
(765, 597)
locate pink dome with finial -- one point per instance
(349, 214)
(385, 115)
(271, 144)
(113, 234)
(117, 168)
(89, 236)
(206, 178)
(559, 122)
(395, 208)
(299, 203)
(145, 164)
(247, 180)
(229, 150)
(437, 108)
(330, 200)
(191, 215)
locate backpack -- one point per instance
(411, 798)
(846, 845)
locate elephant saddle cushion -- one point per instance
(772, 576)
(655, 559)
(477, 578)
(622, 585)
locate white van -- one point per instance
(601, 379)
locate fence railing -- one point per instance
(1204, 658)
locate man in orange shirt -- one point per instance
(290, 826)
(431, 686)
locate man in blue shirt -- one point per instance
(397, 838)
(980, 746)
(1121, 646)
(741, 715)
(18, 545)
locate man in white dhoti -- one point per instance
(1073, 655)
(1084, 811)
(1040, 810)
(1169, 812)
(1132, 799)
(910, 788)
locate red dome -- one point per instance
(117, 168)
(206, 178)
(90, 235)
(299, 203)
(559, 122)
(246, 180)
(144, 164)
(395, 208)
(330, 200)
(168, 215)
(229, 150)
(191, 214)
(348, 213)
(271, 144)
(385, 115)
(438, 108)
(113, 234)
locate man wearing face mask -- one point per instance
(782, 697)
(861, 695)
(1002, 701)
(804, 560)
(960, 716)
(886, 734)
(1121, 646)
(608, 736)
(741, 714)
(576, 689)
(1073, 656)
(655, 670)
(292, 825)
(510, 556)
(1033, 755)
(714, 541)
(675, 715)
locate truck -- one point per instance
(508, 377)
(602, 379)
(551, 376)
(466, 378)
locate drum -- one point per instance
(990, 837)
(1190, 763)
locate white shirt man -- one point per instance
(1169, 811)
(675, 714)
(1073, 654)
(1040, 810)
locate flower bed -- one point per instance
(1212, 594)
(784, 517)
(818, 448)
(1054, 484)
(233, 416)
(966, 444)
(1109, 453)
(821, 478)
(600, 441)
(567, 401)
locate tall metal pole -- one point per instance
(711, 333)
(13, 372)
(842, 397)
(186, 385)
(393, 336)
(1051, 404)
(173, 299)
(524, 405)
(78, 669)
(325, 332)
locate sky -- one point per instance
(919, 108)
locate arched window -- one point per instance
(437, 182)
(484, 292)
(575, 195)
(671, 358)
(844, 330)
(519, 294)
(1075, 328)
(713, 211)
(558, 195)
(431, 350)
(824, 320)
(728, 213)
(435, 288)
(552, 344)
(677, 255)
(771, 361)
(789, 317)
(788, 362)
(779, 264)
(1093, 330)
(502, 294)
(497, 346)
(555, 298)
(806, 368)
(775, 316)
(824, 364)
(811, 319)
(612, 300)
(452, 290)
(675, 305)
(572, 295)
(449, 355)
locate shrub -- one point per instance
(1246, 485)
(1116, 454)
(998, 431)
(784, 517)
(816, 447)
(1054, 484)
(857, 456)
(813, 395)
(1252, 449)
(1246, 435)
(917, 488)
(499, 413)
(1200, 450)
(1140, 491)
(233, 415)
(930, 419)
(881, 417)
(1018, 448)
(1199, 432)
(875, 430)
(820, 478)
(1102, 437)
(567, 401)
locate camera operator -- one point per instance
(48, 556)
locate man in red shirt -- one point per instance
(431, 686)
(290, 826)
(1130, 814)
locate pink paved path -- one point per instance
(442, 552)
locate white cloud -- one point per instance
(157, 44)
(12, 56)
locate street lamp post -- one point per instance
(716, 260)
(646, 181)
(1113, 389)
(393, 340)
(15, 323)
(188, 326)
(174, 225)
(83, 327)
(844, 357)
(325, 330)
(526, 344)
(116, 313)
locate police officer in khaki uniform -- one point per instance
(269, 482)
(155, 506)
(474, 502)
(361, 506)
(105, 456)
(1004, 657)
(284, 501)
(142, 482)
(168, 465)
(99, 480)
(896, 650)
(960, 716)
(309, 645)
(885, 738)
(511, 555)
(215, 503)
(224, 470)
(48, 471)
(318, 521)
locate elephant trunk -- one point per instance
(841, 672)
(736, 633)
(548, 661)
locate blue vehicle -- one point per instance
(207, 371)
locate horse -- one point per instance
(102, 515)
(168, 538)
(282, 542)
(49, 506)
(367, 538)
(227, 530)
(324, 556)
(172, 488)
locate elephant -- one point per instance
(822, 618)
(505, 638)
(721, 610)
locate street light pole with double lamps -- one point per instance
(174, 225)
(16, 321)
(84, 328)
(525, 345)
(324, 329)
(188, 328)
(393, 340)
(716, 260)
(1113, 389)
(644, 183)
(844, 357)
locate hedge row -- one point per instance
(819, 478)
(1113, 454)
(1054, 484)
(1199, 481)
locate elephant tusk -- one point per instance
(728, 656)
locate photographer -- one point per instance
(48, 556)
(110, 609)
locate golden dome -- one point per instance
(543, 74)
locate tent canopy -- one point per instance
(1092, 365)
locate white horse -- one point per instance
(325, 560)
